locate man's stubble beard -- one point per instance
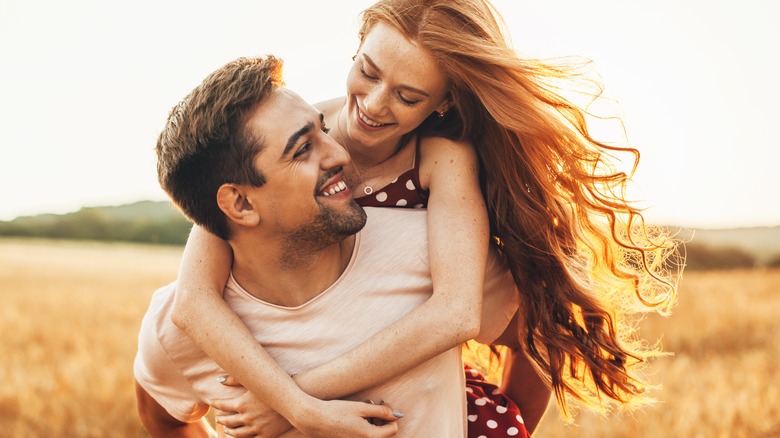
(327, 228)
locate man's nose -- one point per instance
(335, 155)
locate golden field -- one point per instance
(70, 314)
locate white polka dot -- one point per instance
(381, 196)
(512, 431)
(519, 419)
(482, 436)
(470, 390)
(496, 391)
(401, 202)
(472, 418)
(492, 424)
(418, 206)
(410, 185)
(481, 401)
(501, 409)
(394, 181)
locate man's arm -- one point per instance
(159, 423)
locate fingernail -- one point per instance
(221, 379)
(397, 414)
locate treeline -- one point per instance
(160, 222)
(143, 222)
(699, 256)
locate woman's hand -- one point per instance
(246, 416)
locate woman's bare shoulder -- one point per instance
(434, 147)
(444, 154)
(331, 106)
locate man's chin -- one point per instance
(352, 220)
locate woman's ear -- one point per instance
(232, 200)
(443, 107)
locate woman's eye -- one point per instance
(363, 71)
(407, 101)
(325, 129)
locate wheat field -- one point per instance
(71, 311)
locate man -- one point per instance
(300, 272)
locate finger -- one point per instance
(230, 420)
(238, 432)
(229, 405)
(383, 412)
(385, 430)
(228, 380)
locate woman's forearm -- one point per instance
(201, 312)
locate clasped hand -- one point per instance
(247, 416)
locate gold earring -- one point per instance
(354, 57)
(441, 114)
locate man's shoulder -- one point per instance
(386, 219)
(395, 233)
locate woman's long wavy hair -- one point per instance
(580, 253)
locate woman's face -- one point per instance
(392, 87)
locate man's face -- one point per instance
(305, 197)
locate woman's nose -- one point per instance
(373, 103)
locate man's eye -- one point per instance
(325, 129)
(302, 150)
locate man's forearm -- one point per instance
(201, 429)
(159, 423)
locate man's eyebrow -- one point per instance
(297, 135)
(405, 87)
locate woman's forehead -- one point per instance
(394, 55)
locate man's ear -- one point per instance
(232, 200)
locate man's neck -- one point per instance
(271, 273)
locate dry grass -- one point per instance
(69, 325)
(71, 313)
(725, 336)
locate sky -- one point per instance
(86, 86)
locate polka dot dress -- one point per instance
(404, 191)
(491, 413)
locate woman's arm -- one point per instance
(458, 237)
(201, 312)
(458, 242)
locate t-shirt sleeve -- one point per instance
(500, 299)
(162, 379)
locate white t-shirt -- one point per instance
(387, 277)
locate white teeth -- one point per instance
(341, 185)
(367, 121)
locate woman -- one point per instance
(431, 79)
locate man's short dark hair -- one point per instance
(205, 142)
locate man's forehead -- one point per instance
(280, 115)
